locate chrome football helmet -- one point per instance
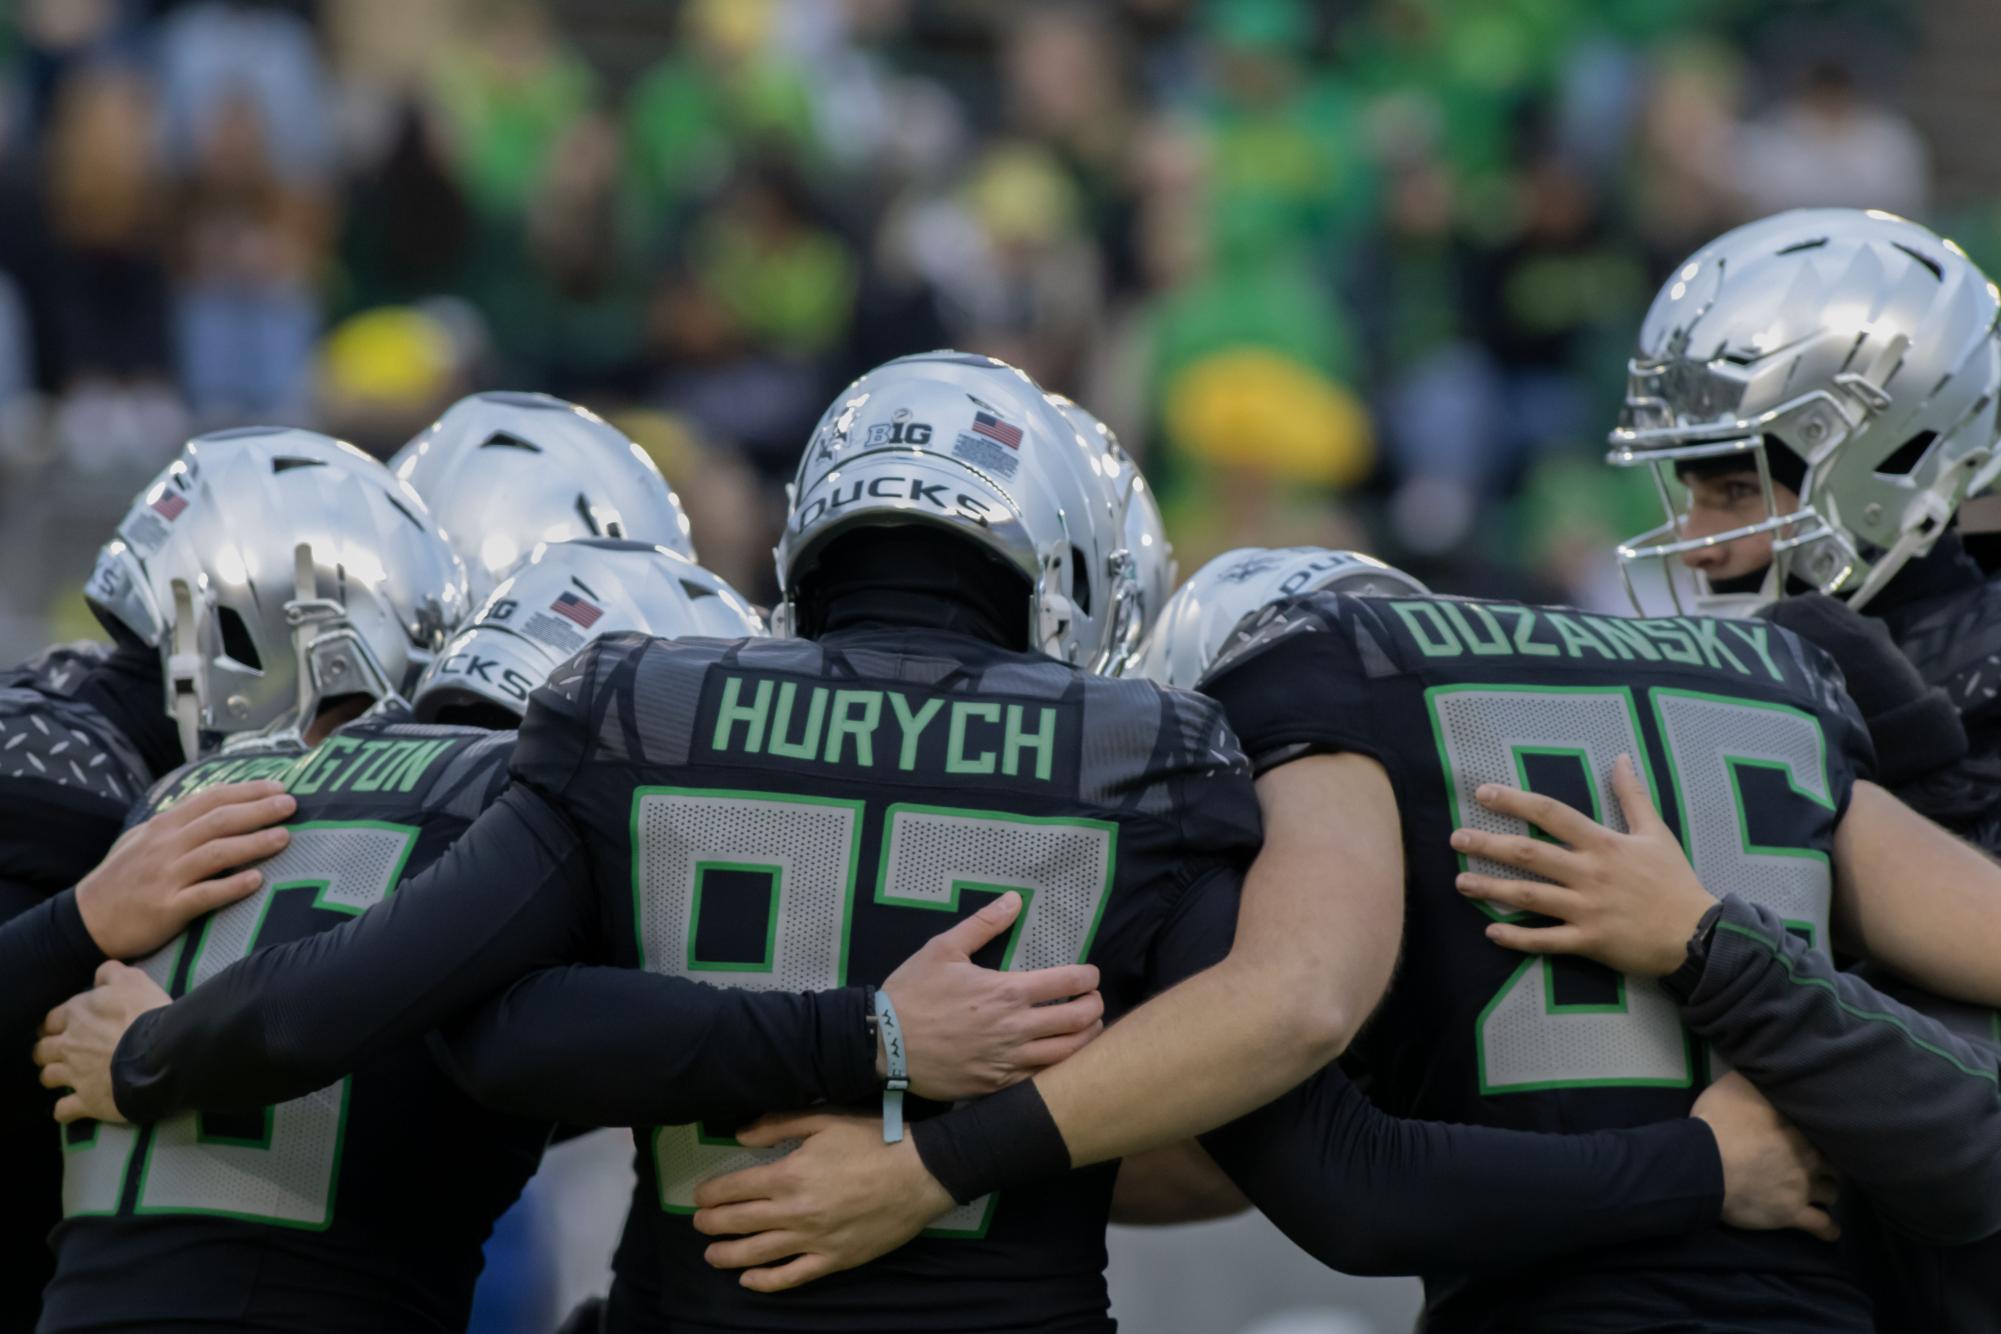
(504, 472)
(1145, 546)
(1863, 345)
(274, 568)
(549, 609)
(972, 445)
(1199, 619)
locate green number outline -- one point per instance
(959, 887)
(881, 895)
(1431, 697)
(1592, 785)
(1732, 764)
(639, 795)
(319, 902)
(776, 875)
(95, 1139)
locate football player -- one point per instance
(1822, 385)
(504, 471)
(1449, 696)
(366, 1202)
(83, 732)
(806, 813)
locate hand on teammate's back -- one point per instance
(1772, 1178)
(840, 1199)
(81, 1035)
(164, 873)
(1915, 728)
(971, 1031)
(1629, 901)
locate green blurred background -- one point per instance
(1359, 272)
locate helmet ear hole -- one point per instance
(1906, 458)
(236, 640)
(1080, 581)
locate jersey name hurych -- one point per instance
(798, 815)
(1749, 749)
(362, 1204)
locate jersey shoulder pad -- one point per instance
(1957, 647)
(1168, 753)
(59, 670)
(626, 696)
(275, 759)
(1297, 673)
(63, 744)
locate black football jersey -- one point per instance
(1952, 634)
(794, 815)
(68, 774)
(1750, 749)
(362, 1206)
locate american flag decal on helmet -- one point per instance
(169, 506)
(581, 610)
(987, 424)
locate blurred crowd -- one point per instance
(1360, 272)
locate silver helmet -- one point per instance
(1199, 619)
(273, 568)
(1145, 548)
(567, 595)
(970, 444)
(504, 472)
(1862, 345)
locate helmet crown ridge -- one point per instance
(1860, 344)
(972, 445)
(1204, 613)
(506, 471)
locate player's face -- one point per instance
(1719, 502)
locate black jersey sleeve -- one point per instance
(1905, 1109)
(510, 896)
(1295, 650)
(46, 956)
(679, 1051)
(1365, 1192)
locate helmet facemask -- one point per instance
(1860, 347)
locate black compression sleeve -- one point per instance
(1009, 1139)
(675, 1050)
(1367, 1193)
(1908, 1111)
(46, 957)
(512, 895)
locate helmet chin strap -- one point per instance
(322, 636)
(184, 675)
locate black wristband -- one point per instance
(1009, 1139)
(1680, 984)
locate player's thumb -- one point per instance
(982, 926)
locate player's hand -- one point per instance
(1772, 1178)
(81, 1035)
(840, 1199)
(970, 1031)
(162, 874)
(1630, 901)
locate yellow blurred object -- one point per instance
(737, 27)
(1257, 410)
(390, 357)
(1021, 195)
(668, 439)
